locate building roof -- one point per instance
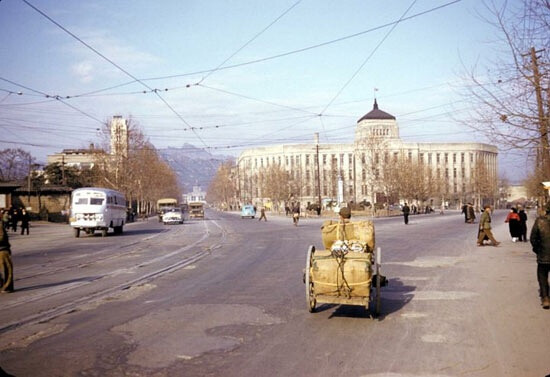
(376, 113)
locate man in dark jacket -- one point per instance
(540, 240)
(6, 266)
(406, 211)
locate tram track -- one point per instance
(51, 313)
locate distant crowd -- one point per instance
(12, 217)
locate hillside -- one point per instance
(194, 166)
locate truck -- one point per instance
(196, 210)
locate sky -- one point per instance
(226, 75)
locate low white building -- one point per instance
(197, 195)
(356, 168)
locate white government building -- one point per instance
(354, 167)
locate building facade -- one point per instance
(360, 171)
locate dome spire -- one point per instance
(375, 106)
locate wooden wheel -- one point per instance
(378, 282)
(310, 295)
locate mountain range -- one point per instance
(193, 166)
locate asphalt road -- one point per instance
(224, 297)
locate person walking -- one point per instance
(513, 224)
(471, 213)
(262, 214)
(485, 227)
(406, 211)
(296, 214)
(6, 265)
(540, 241)
(5, 219)
(465, 212)
(25, 219)
(522, 224)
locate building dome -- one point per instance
(376, 113)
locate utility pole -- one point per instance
(29, 183)
(63, 182)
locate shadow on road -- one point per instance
(400, 296)
(49, 285)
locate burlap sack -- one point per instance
(356, 230)
(328, 279)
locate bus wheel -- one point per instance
(76, 232)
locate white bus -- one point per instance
(95, 208)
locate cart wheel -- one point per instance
(377, 293)
(310, 297)
(378, 282)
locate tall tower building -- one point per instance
(119, 136)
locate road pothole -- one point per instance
(184, 332)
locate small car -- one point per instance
(248, 211)
(174, 216)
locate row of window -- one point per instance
(333, 158)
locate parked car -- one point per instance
(248, 211)
(174, 216)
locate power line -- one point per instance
(368, 57)
(250, 41)
(56, 97)
(108, 60)
(308, 47)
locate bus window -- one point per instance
(82, 201)
(96, 201)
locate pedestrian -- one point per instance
(522, 224)
(14, 219)
(471, 213)
(485, 227)
(345, 214)
(25, 219)
(465, 212)
(5, 219)
(540, 241)
(406, 211)
(513, 224)
(296, 214)
(6, 265)
(287, 210)
(262, 214)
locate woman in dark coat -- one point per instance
(522, 224)
(514, 224)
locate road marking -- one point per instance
(429, 295)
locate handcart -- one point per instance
(343, 272)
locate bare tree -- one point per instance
(222, 190)
(276, 184)
(511, 97)
(141, 174)
(15, 164)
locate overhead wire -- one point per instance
(250, 41)
(369, 57)
(112, 63)
(308, 47)
(56, 97)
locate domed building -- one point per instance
(378, 167)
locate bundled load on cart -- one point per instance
(342, 273)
